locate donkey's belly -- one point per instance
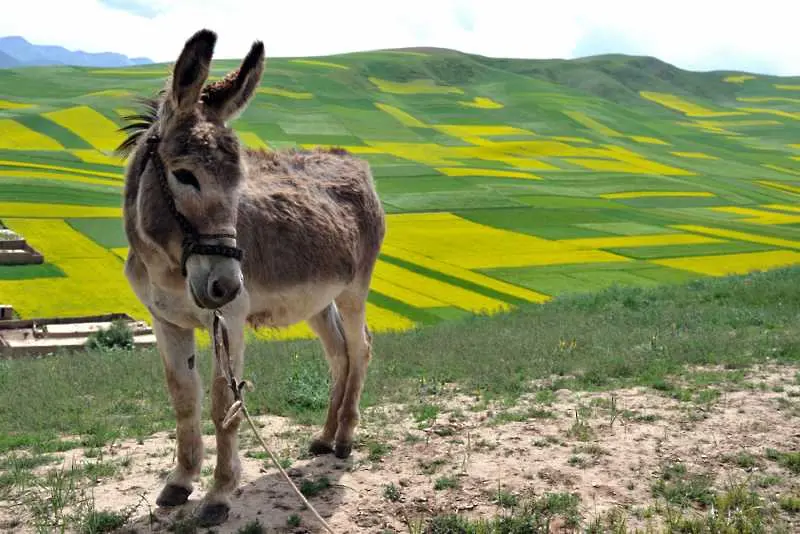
(291, 305)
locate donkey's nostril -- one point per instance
(222, 290)
(217, 290)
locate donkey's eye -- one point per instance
(186, 178)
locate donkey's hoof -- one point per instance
(211, 514)
(319, 447)
(173, 495)
(343, 450)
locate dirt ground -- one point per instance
(608, 452)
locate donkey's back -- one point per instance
(312, 225)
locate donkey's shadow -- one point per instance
(266, 499)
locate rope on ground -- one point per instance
(219, 336)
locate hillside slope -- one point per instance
(505, 181)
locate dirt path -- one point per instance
(465, 455)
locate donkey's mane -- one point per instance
(140, 123)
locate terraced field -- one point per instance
(505, 181)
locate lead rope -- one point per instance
(220, 339)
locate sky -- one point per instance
(691, 34)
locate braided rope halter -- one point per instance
(191, 243)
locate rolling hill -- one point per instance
(505, 181)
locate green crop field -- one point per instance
(505, 181)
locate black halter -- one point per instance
(191, 238)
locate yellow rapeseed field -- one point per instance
(690, 109)
(251, 140)
(648, 140)
(94, 279)
(115, 93)
(48, 175)
(47, 166)
(450, 239)
(16, 136)
(729, 264)
(708, 126)
(415, 87)
(55, 211)
(275, 91)
(781, 186)
(639, 241)
(481, 102)
(469, 171)
(759, 216)
(693, 155)
(641, 166)
(95, 156)
(781, 168)
(450, 294)
(460, 131)
(411, 296)
(767, 99)
(318, 63)
(8, 104)
(585, 120)
(738, 78)
(769, 111)
(737, 234)
(87, 123)
(406, 119)
(782, 207)
(648, 194)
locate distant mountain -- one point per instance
(16, 51)
(7, 61)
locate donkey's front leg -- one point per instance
(176, 346)
(216, 505)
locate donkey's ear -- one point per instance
(228, 97)
(191, 69)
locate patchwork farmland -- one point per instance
(506, 181)
(665, 406)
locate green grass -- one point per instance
(107, 232)
(119, 393)
(58, 192)
(28, 272)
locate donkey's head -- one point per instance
(196, 161)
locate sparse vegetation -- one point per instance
(681, 487)
(391, 492)
(312, 488)
(443, 483)
(117, 336)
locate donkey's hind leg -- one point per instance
(352, 305)
(327, 324)
(176, 346)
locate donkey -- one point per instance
(268, 238)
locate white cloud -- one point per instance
(691, 34)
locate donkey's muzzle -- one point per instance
(223, 289)
(218, 288)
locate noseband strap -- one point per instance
(191, 243)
